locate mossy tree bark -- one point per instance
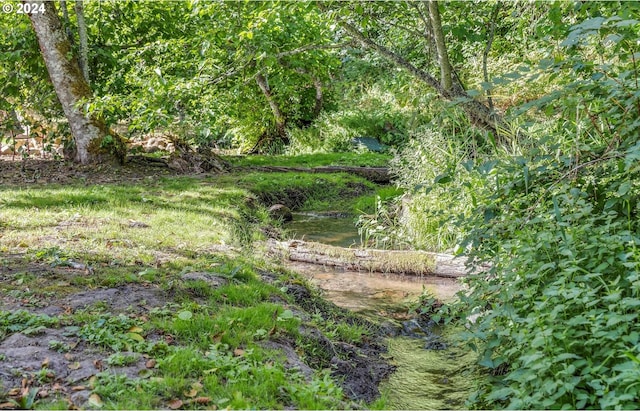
(88, 132)
(443, 56)
(280, 119)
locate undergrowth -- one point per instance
(554, 215)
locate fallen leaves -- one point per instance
(95, 401)
(176, 404)
(74, 366)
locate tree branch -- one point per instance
(310, 47)
(478, 113)
(385, 52)
(485, 55)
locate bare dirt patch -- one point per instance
(31, 171)
(33, 361)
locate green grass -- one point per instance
(368, 204)
(151, 233)
(313, 160)
(303, 191)
(125, 224)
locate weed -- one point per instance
(44, 375)
(59, 346)
(27, 401)
(118, 333)
(24, 322)
(120, 359)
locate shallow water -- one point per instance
(424, 379)
(329, 229)
(374, 292)
(428, 379)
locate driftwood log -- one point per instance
(379, 175)
(383, 261)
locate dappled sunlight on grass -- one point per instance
(115, 265)
(130, 222)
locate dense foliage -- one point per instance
(556, 217)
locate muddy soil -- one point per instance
(57, 361)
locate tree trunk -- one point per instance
(83, 54)
(275, 108)
(67, 21)
(479, 114)
(88, 132)
(317, 108)
(487, 49)
(383, 261)
(441, 48)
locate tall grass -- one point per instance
(375, 111)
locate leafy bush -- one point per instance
(559, 225)
(556, 217)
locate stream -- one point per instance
(432, 371)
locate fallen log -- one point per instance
(378, 175)
(382, 261)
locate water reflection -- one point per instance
(363, 291)
(334, 228)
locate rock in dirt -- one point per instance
(215, 281)
(120, 299)
(280, 212)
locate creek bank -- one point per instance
(358, 367)
(431, 370)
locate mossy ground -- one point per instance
(92, 279)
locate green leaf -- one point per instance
(624, 188)
(443, 179)
(135, 337)
(286, 315)
(185, 315)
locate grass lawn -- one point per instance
(155, 291)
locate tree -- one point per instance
(94, 142)
(84, 40)
(370, 25)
